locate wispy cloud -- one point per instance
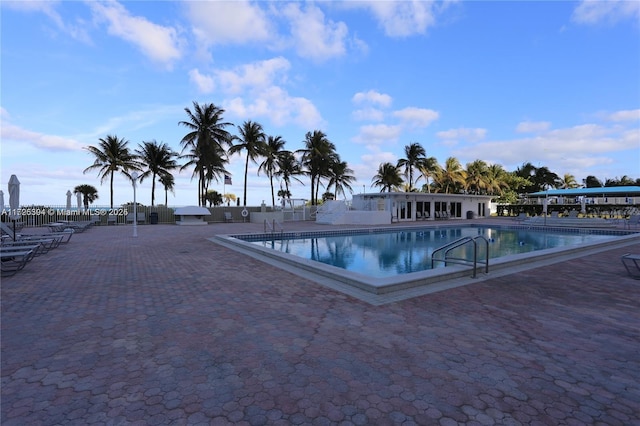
(12, 134)
(161, 44)
(372, 97)
(532, 126)
(463, 133)
(611, 11)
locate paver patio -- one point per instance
(170, 328)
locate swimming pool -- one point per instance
(404, 257)
(392, 252)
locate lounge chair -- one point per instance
(634, 220)
(521, 217)
(13, 261)
(631, 263)
(228, 217)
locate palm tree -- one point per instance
(388, 177)
(340, 177)
(568, 181)
(159, 161)
(497, 180)
(592, 182)
(205, 143)
(476, 181)
(168, 182)
(414, 155)
(288, 168)
(112, 155)
(213, 197)
(89, 194)
(274, 149)
(317, 155)
(452, 177)
(427, 168)
(252, 140)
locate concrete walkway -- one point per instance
(170, 328)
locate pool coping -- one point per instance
(382, 290)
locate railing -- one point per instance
(462, 261)
(271, 227)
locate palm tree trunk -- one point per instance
(111, 188)
(153, 189)
(273, 197)
(246, 171)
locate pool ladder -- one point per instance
(461, 261)
(271, 227)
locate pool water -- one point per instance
(385, 254)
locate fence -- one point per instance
(34, 216)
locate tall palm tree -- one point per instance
(497, 180)
(205, 142)
(318, 153)
(288, 168)
(274, 149)
(340, 177)
(159, 159)
(112, 155)
(414, 155)
(168, 182)
(427, 168)
(252, 140)
(451, 177)
(388, 177)
(89, 194)
(476, 181)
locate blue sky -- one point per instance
(556, 84)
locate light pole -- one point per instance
(134, 178)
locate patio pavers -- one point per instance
(170, 328)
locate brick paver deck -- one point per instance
(170, 328)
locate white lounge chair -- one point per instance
(228, 217)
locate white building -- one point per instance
(386, 207)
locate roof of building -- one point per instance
(612, 191)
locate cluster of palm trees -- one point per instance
(208, 145)
(478, 177)
(207, 148)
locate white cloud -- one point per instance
(77, 31)
(255, 91)
(472, 135)
(610, 11)
(532, 126)
(628, 115)
(416, 117)
(12, 134)
(218, 22)
(256, 75)
(204, 83)
(161, 44)
(368, 114)
(315, 38)
(376, 134)
(372, 97)
(402, 18)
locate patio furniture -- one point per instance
(631, 263)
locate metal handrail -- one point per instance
(458, 243)
(272, 227)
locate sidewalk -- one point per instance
(170, 328)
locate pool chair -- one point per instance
(631, 263)
(13, 261)
(228, 217)
(634, 220)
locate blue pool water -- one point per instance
(393, 252)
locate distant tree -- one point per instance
(451, 178)
(568, 181)
(388, 177)
(228, 198)
(340, 177)
(427, 168)
(317, 155)
(251, 140)
(288, 168)
(168, 182)
(477, 173)
(159, 160)
(274, 149)
(414, 156)
(623, 181)
(592, 182)
(213, 197)
(89, 194)
(498, 180)
(541, 178)
(112, 155)
(205, 144)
